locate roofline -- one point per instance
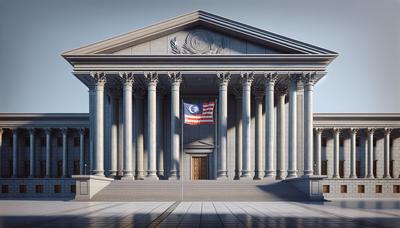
(199, 17)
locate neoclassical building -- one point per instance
(264, 126)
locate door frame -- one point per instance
(191, 165)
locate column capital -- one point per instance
(387, 131)
(47, 130)
(175, 78)
(127, 78)
(31, 130)
(294, 77)
(281, 89)
(308, 78)
(247, 78)
(64, 130)
(354, 130)
(81, 130)
(319, 130)
(223, 77)
(270, 77)
(99, 78)
(337, 130)
(371, 131)
(151, 78)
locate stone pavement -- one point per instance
(350, 213)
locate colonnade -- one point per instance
(270, 80)
(368, 152)
(33, 133)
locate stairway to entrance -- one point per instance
(202, 190)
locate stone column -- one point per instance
(1, 150)
(176, 80)
(64, 132)
(223, 79)
(238, 134)
(152, 80)
(128, 81)
(114, 133)
(370, 152)
(292, 169)
(259, 174)
(81, 151)
(31, 152)
(308, 81)
(247, 79)
(353, 135)
(160, 133)
(15, 152)
(281, 149)
(386, 164)
(48, 158)
(336, 132)
(270, 161)
(98, 154)
(318, 135)
(139, 134)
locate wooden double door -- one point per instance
(199, 167)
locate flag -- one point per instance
(200, 113)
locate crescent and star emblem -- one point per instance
(193, 108)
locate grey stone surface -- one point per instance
(199, 214)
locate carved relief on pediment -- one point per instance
(198, 42)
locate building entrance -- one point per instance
(199, 167)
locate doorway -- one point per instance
(199, 167)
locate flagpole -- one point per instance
(180, 163)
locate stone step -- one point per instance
(130, 190)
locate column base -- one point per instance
(352, 176)
(370, 176)
(292, 174)
(151, 175)
(270, 174)
(280, 175)
(336, 176)
(139, 175)
(222, 174)
(387, 176)
(128, 173)
(113, 173)
(246, 175)
(308, 172)
(160, 173)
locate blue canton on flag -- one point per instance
(200, 113)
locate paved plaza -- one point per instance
(371, 213)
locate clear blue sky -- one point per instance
(366, 33)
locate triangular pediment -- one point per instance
(198, 33)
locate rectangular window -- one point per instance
(358, 168)
(26, 142)
(361, 188)
(22, 188)
(73, 188)
(42, 141)
(396, 188)
(378, 188)
(325, 188)
(77, 142)
(42, 168)
(374, 168)
(4, 188)
(341, 169)
(57, 188)
(76, 167)
(39, 188)
(343, 188)
(323, 142)
(26, 168)
(324, 167)
(59, 168)
(59, 142)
